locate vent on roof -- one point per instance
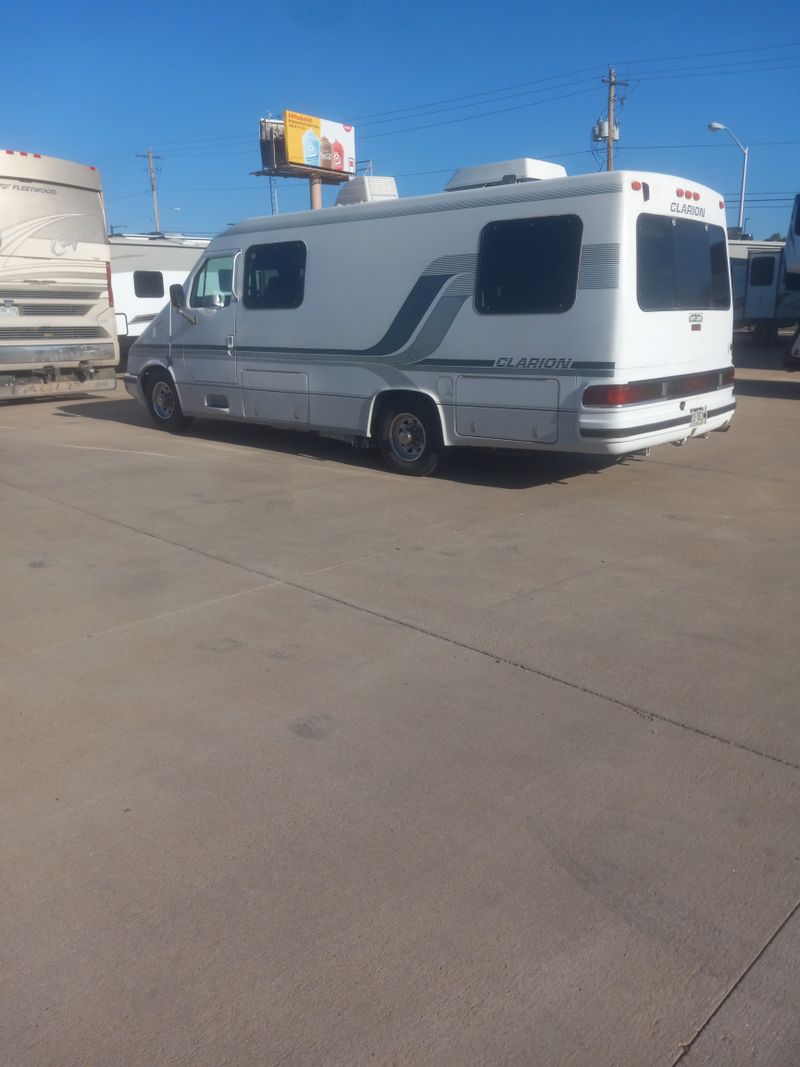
(508, 172)
(367, 189)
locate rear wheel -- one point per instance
(163, 403)
(409, 439)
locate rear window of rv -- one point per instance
(529, 266)
(681, 264)
(274, 275)
(148, 283)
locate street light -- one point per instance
(713, 127)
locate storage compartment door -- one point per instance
(275, 396)
(521, 410)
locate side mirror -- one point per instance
(177, 297)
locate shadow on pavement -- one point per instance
(773, 390)
(502, 470)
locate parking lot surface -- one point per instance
(307, 763)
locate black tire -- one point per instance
(163, 403)
(409, 438)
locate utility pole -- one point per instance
(612, 83)
(150, 157)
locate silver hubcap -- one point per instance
(163, 400)
(407, 437)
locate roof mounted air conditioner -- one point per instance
(367, 189)
(506, 173)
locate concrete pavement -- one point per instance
(304, 762)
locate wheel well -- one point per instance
(413, 397)
(145, 375)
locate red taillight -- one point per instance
(614, 395)
(722, 205)
(110, 290)
(690, 384)
(606, 396)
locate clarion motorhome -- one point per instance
(583, 314)
(57, 331)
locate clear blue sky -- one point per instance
(431, 86)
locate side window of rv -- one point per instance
(148, 283)
(762, 270)
(213, 284)
(529, 266)
(681, 264)
(275, 275)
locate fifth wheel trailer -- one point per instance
(586, 314)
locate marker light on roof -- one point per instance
(695, 196)
(679, 192)
(636, 186)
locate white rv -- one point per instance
(143, 266)
(585, 314)
(57, 331)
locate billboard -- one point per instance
(319, 144)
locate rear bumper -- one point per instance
(618, 432)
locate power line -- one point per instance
(406, 111)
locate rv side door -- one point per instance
(204, 338)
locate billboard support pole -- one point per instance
(315, 187)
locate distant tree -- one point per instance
(776, 237)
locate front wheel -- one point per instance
(163, 403)
(409, 439)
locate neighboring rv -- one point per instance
(143, 266)
(586, 314)
(766, 294)
(792, 250)
(57, 332)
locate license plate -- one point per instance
(699, 416)
(8, 309)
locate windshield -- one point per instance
(681, 264)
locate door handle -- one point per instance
(229, 343)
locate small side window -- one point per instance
(274, 275)
(762, 270)
(148, 283)
(213, 284)
(529, 266)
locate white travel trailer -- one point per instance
(57, 329)
(143, 267)
(766, 294)
(585, 314)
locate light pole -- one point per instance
(713, 127)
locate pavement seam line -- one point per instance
(642, 713)
(685, 1048)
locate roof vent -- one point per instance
(367, 189)
(507, 173)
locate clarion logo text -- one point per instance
(534, 362)
(687, 209)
